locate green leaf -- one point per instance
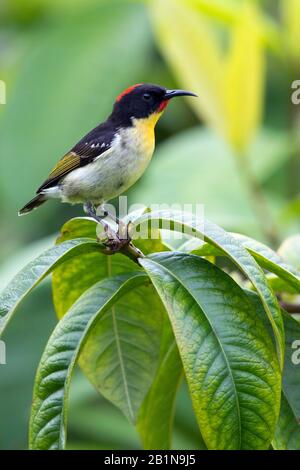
(36, 271)
(78, 274)
(83, 272)
(265, 257)
(227, 352)
(49, 413)
(271, 261)
(200, 248)
(155, 419)
(235, 251)
(291, 371)
(279, 285)
(122, 352)
(287, 435)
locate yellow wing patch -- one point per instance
(69, 162)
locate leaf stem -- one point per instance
(132, 252)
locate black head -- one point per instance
(143, 100)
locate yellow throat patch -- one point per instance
(144, 130)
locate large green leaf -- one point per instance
(227, 352)
(271, 261)
(265, 257)
(49, 413)
(287, 435)
(155, 419)
(122, 352)
(216, 236)
(37, 270)
(291, 372)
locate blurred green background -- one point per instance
(235, 150)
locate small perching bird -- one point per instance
(113, 156)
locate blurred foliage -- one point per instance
(291, 19)
(185, 151)
(63, 62)
(290, 250)
(196, 54)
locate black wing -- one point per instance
(95, 143)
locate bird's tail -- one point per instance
(33, 204)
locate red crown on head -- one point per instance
(127, 91)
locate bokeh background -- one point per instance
(235, 149)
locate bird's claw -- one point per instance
(115, 241)
(118, 243)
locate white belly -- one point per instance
(113, 172)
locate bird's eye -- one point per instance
(146, 97)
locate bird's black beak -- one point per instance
(173, 93)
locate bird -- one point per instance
(111, 157)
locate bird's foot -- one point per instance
(123, 246)
(91, 211)
(122, 243)
(114, 241)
